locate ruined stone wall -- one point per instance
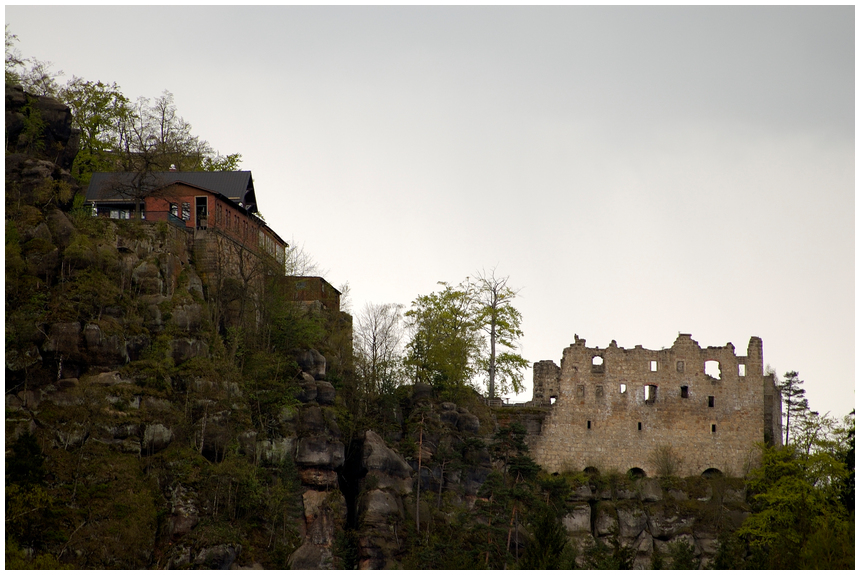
(604, 417)
(546, 377)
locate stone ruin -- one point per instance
(695, 410)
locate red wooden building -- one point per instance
(224, 202)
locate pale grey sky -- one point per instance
(638, 171)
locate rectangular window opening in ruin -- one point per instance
(742, 370)
(597, 364)
(680, 366)
(710, 401)
(580, 390)
(552, 400)
(685, 391)
(650, 393)
(588, 425)
(623, 388)
(640, 425)
(598, 391)
(712, 369)
(713, 428)
(653, 365)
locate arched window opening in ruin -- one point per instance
(623, 388)
(711, 401)
(685, 391)
(712, 473)
(653, 365)
(742, 370)
(590, 470)
(650, 393)
(712, 369)
(597, 363)
(636, 473)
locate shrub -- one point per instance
(665, 461)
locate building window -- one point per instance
(174, 210)
(679, 366)
(713, 428)
(597, 364)
(186, 211)
(685, 391)
(712, 369)
(650, 393)
(653, 365)
(580, 390)
(588, 424)
(742, 370)
(623, 388)
(639, 425)
(598, 391)
(710, 401)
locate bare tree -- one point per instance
(299, 262)
(377, 343)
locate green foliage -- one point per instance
(99, 111)
(51, 192)
(683, 555)
(445, 341)
(26, 464)
(33, 134)
(14, 60)
(795, 501)
(17, 559)
(448, 349)
(500, 320)
(218, 163)
(793, 396)
(615, 556)
(546, 548)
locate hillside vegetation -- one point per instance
(153, 421)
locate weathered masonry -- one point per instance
(619, 409)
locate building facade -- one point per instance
(615, 409)
(203, 203)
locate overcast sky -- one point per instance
(637, 171)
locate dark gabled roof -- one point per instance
(117, 186)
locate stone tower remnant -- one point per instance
(616, 409)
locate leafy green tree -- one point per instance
(98, 111)
(445, 339)
(794, 500)
(500, 320)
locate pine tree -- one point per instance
(793, 396)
